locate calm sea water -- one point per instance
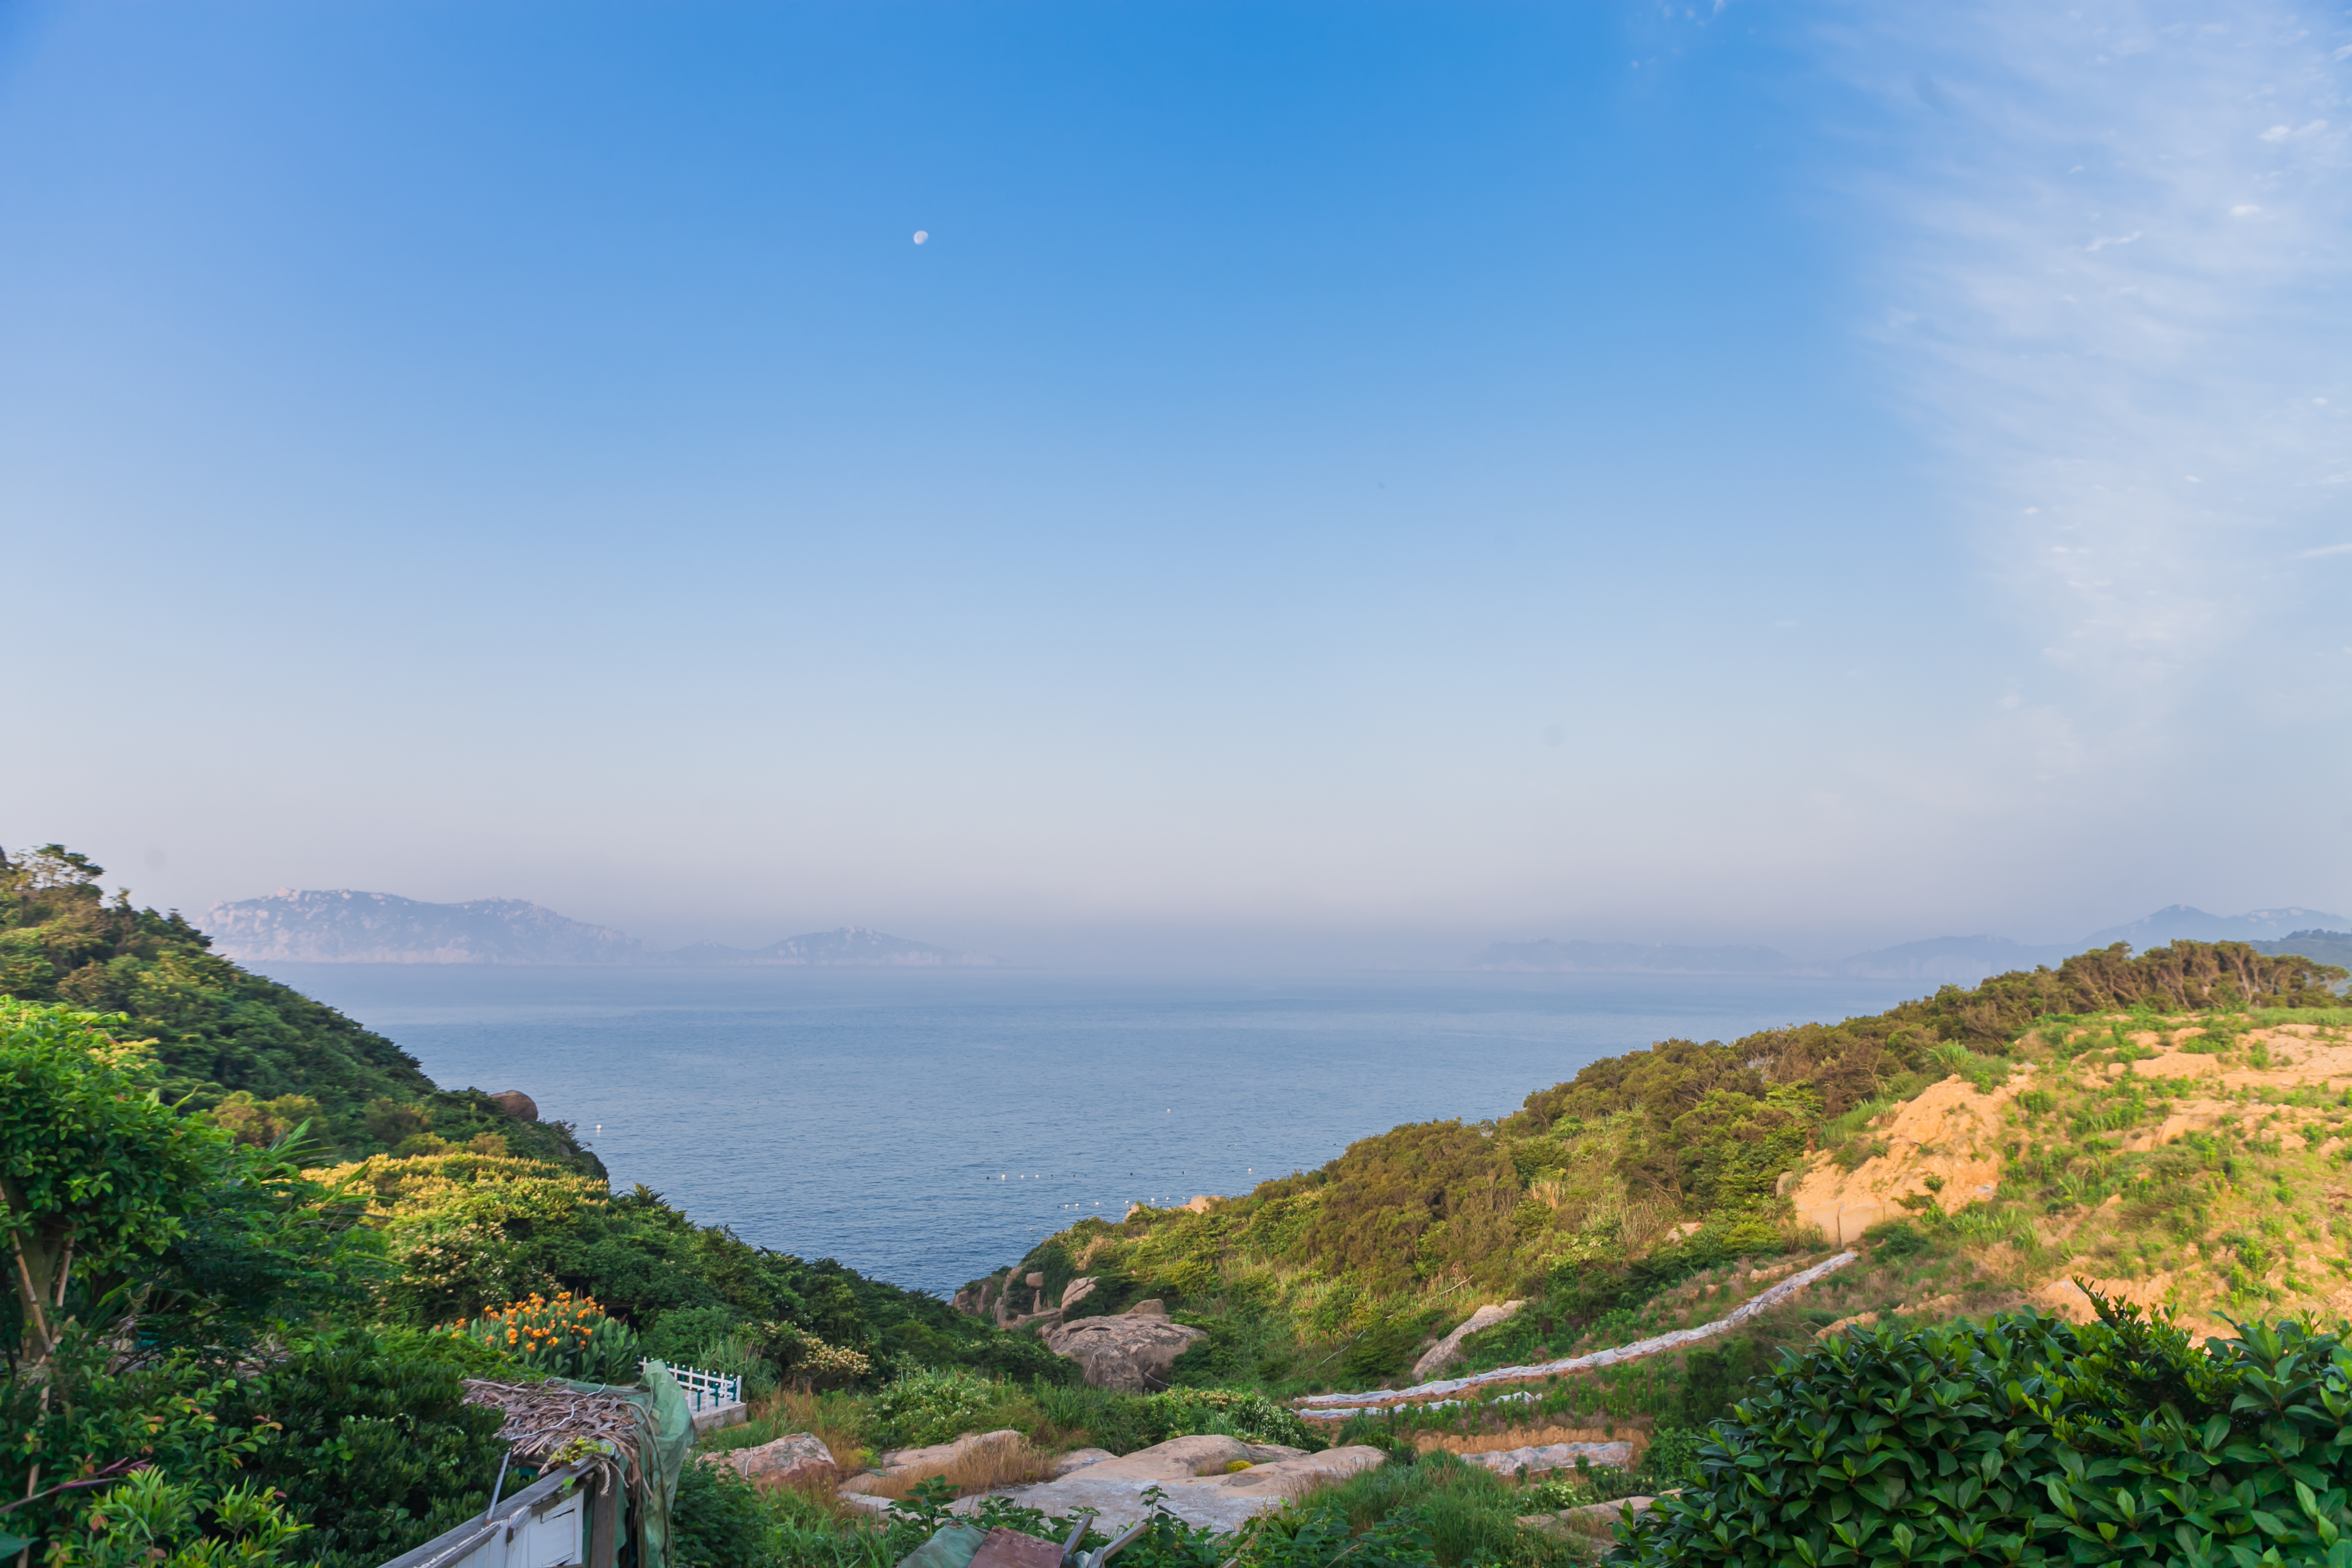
(929, 1128)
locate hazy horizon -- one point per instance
(1329, 481)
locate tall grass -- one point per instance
(998, 1459)
(842, 1422)
(1470, 1513)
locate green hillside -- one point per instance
(2325, 946)
(476, 1207)
(262, 1056)
(1605, 1191)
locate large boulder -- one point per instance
(802, 1457)
(1544, 1457)
(1448, 1350)
(935, 1460)
(1133, 1351)
(517, 1104)
(1219, 1482)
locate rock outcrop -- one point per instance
(1132, 1352)
(517, 1104)
(1553, 1456)
(1448, 1350)
(802, 1457)
(934, 1459)
(1216, 1481)
(1593, 1518)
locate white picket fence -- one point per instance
(704, 1390)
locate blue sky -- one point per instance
(1338, 482)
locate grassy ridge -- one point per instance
(263, 1056)
(475, 1208)
(1605, 1190)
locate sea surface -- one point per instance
(929, 1128)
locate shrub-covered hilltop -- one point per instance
(2141, 1116)
(234, 1340)
(210, 1169)
(263, 1058)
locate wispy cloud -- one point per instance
(2108, 243)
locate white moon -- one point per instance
(922, 234)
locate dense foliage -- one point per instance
(152, 1254)
(271, 1057)
(568, 1336)
(152, 1522)
(367, 1438)
(2028, 1440)
(1601, 1190)
(467, 1232)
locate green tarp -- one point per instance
(952, 1547)
(665, 1433)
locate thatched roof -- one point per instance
(552, 1423)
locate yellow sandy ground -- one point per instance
(1945, 1147)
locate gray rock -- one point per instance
(1593, 1518)
(1133, 1351)
(1195, 1477)
(797, 1457)
(1553, 1456)
(1448, 1350)
(935, 1460)
(1078, 1459)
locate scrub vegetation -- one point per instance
(247, 1339)
(1651, 1190)
(265, 1059)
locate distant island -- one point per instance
(1951, 959)
(346, 926)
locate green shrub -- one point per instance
(1671, 1461)
(369, 1437)
(146, 1521)
(1713, 1376)
(568, 1337)
(1434, 1510)
(2026, 1440)
(678, 1337)
(1247, 1415)
(932, 1405)
(1896, 1238)
(718, 1520)
(1318, 1537)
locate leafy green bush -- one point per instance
(147, 1521)
(369, 1437)
(568, 1336)
(1318, 1537)
(1896, 1238)
(1671, 1461)
(1247, 1415)
(717, 1520)
(2026, 1440)
(1430, 1509)
(930, 1406)
(678, 1337)
(1712, 1378)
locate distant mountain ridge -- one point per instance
(1949, 960)
(346, 926)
